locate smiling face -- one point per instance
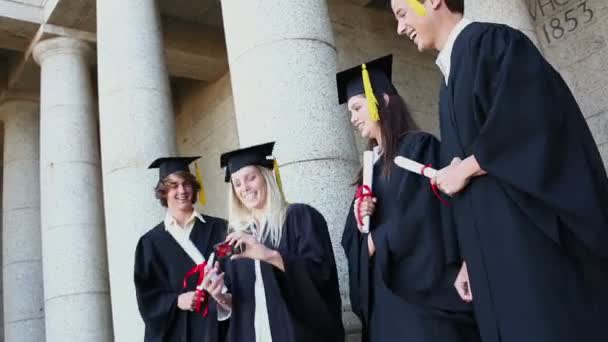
(180, 193)
(421, 30)
(250, 187)
(359, 117)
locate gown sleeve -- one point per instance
(357, 256)
(309, 284)
(157, 305)
(410, 245)
(533, 136)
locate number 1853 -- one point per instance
(569, 21)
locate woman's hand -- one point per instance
(254, 249)
(371, 247)
(213, 283)
(462, 284)
(364, 207)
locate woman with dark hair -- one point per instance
(401, 272)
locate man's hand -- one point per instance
(187, 301)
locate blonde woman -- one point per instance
(283, 287)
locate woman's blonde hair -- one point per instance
(240, 218)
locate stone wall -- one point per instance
(573, 35)
(206, 126)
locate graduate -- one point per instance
(166, 256)
(529, 187)
(401, 273)
(284, 285)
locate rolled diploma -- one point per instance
(414, 167)
(210, 262)
(368, 176)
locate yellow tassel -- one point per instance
(372, 102)
(417, 7)
(202, 199)
(277, 176)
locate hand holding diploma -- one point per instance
(454, 178)
(364, 204)
(213, 283)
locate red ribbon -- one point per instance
(362, 192)
(201, 296)
(434, 187)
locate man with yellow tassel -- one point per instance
(171, 259)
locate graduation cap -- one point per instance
(169, 165)
(259, 155)
(373, 77)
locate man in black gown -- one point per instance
(167, 253)
(529, 187)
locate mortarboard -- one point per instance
(169, 165)
(260, 155)
(373, 77)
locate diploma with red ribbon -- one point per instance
(413, 166)
(423, 170)
(365, 190)
(201, 295)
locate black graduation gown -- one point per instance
(160, 267)
(304, 301)
(534, 231)
(406, 289)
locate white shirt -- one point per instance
(182, 236)
(444, 60)
(377, 153)
(261, 320)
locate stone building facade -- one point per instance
(92, 91)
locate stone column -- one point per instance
(137, 125)
(21, 250)
(511, 12)
(282, 60)
(74, 254)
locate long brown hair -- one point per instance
(395, 121)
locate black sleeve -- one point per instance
(410, 246)
(157, 305)
(357, 256)
(309, 283)
(533, 136)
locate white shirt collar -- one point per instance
(444, 60)
(171, 222)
